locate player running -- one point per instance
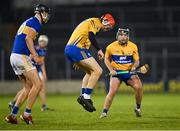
(122, 55)
(77, 51)
(22, 65)
(41, 50)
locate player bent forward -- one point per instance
(77, 51)
(122, 55)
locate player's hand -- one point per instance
(113, 73)
(37, 59)
(100, 55)
(133, 68)
(75, 66)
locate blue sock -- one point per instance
(15, 110)
(27, 111)
(105, 110)
(83, 90)
(88, 91)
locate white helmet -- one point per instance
(43, 38)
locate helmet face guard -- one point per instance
(43, 11)
(122, 32)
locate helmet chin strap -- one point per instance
(122, 43)
(41, 18)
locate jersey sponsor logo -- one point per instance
(122, 59)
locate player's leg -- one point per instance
(20, 64)
(83, 88)
(114, 85)
(26, 87)
(20, 99)
(94, 72)
(85, 82)
(37, 85)
(32, 75)
(86, 62)
(12, 103)
(42, 95)
(136, 84)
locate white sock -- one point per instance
(27, 114)
(86, 96)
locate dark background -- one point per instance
(154, 27)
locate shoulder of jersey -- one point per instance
(95, 22)
(31, 21)
(132, 43)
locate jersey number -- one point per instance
(21, 28)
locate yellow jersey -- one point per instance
(122, 57)
(80, 36)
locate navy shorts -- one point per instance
(76, 54)
(124, 77)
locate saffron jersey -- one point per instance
(122, 57)
(80, 36)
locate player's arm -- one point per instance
(93, 41)
(136, 59)
(43, 68)
(108, 64)
(107, 61)
(30, 44)
(135, 65)
(95, 44)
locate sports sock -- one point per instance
(43, 106)
(138, 106)
(15, 111)
(27, 112)
(105, 110)
(87, 93)
(82, 90)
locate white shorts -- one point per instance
(21, 63)
(41, 75)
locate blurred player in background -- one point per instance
(41, 50)
(122, 55)
(22, 64)
(77, 51)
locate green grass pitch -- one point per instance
(159, 111)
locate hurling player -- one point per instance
(77, 51)
(122, 55)
(22, 65)
(41, 50)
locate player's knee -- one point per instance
(137, 87)
(98, 71)
(38, 84)
(27, 90)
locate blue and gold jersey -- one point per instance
(80, 36)
(122, 57)
(19, 45)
